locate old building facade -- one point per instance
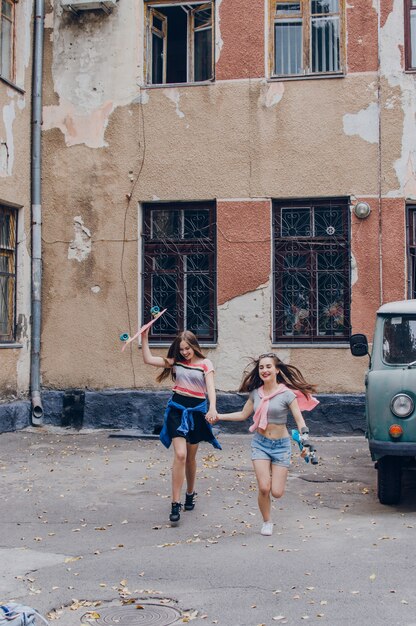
(16, 39)
(247, 165)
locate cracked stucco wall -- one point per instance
(111, 144)
(103, 68)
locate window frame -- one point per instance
(11, 76)
(178, 247)
(10, 252)
(307, 57)
(310, 246)
(411, 250)
(407, 10)
(151, 9)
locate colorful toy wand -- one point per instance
(156, 313)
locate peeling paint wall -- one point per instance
(102, 70)
(15, 154)
(111, 142)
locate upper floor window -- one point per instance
(307, 37)
(7, 39)
(311, 270)
(410, 33)
(7, 273)
(179, 268)
(179, 42)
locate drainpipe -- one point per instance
(37, 409)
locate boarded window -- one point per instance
(179, 268)
(179, 43)
(307, 37)
(7, 39)
(7, 273)
(311, 270)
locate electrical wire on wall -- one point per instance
(129, 197)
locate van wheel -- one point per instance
(389, 480)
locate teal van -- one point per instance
(390, 405)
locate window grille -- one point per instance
(311, 270)
(179, 268)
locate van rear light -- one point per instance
(395, 431)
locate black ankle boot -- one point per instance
(190, 501)
(175, 514)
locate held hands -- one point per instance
(212, 418)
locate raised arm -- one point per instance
(148, 357)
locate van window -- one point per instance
(399, 339)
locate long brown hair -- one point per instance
(289, 375)
(175, 354)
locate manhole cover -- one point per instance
(131, 615)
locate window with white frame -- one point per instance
(179, 42)
(7, 39)
(7, 273)
(307, 37)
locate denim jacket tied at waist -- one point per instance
(187, 422)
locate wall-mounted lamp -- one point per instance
(362, 209)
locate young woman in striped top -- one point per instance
(185, 423)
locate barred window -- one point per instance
(7, 39)
(7, 273)
(311, 270)
(179, 268)
(307, 37)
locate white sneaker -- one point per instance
(267, 528)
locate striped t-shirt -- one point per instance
(190, 377)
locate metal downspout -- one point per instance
(37, 409)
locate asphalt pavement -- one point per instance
(85, 536)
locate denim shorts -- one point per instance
(278, 451)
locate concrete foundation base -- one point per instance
(143, 411)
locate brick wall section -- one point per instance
(394, 249)
(243, 37)
(362, 51)
(386, 7)
(244, 257)
(365, 250)
(366, 297)
(242, 33)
